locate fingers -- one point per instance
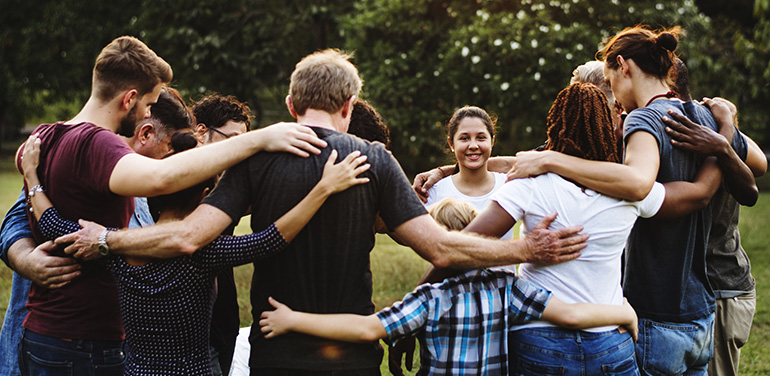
(311, 137)
(276, 304)
(332, 158)
(546, 221)
(567, 231)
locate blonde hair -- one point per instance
(592, 72)
(127, 63)
(324, 80)
(453, 214)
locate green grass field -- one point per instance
(396, 270)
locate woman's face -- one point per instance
(621, 87)
(472, 143)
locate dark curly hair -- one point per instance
(579, 124)
(214, 110)
(366, 123)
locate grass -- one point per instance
(397, 269)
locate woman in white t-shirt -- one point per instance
(579, 124)
(470, 135)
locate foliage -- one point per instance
(423, 59)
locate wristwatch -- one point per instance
(104, 249)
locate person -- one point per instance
(89, 172)
(366, 123)
(579, 124)
(151, 139)
(728, 265)
(326, 267)
(220, 117)
(166, 310)
(440, 314)
(470, 136)
(664, 257)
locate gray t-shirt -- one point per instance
(665, 269)
(729, 269)
(326, 267)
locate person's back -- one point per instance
(326, 268)
(674, 248)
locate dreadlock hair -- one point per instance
(579, 124)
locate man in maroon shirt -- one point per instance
(89, 172)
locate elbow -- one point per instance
(369, 335)
(569, 321)
(440, 261)
(750, 198)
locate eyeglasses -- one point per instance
(220, 132)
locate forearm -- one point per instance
(457, 250)
(16, 256)
(162, 240)
(684, 197)
(291, 223)
(738, 178)
(612, 179)
(585, 315)
(500, 164)
(340, 327)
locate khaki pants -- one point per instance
(731, 331)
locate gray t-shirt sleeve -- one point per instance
(232, 192)
(397, 202)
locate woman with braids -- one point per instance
(665, 273)
(579, 124)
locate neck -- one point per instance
(98, 113)
(468, 175)
(322, 119)
(648, 88)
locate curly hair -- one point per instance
(214, 110)
(579, 124)
(366, 123)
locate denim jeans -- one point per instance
(667, 348)
(10, 335)
(556, 351)
(43, 355)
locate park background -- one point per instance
(420, 60)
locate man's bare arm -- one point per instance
(164, 240)
(37, 265)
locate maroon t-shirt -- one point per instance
(76, 162)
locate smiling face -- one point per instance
(472, 143)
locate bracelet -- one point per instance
(31, 193)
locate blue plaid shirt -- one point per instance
(462, 322)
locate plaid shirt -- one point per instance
(463, 321)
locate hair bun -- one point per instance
(667, 41)
(181, 141)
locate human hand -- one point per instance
(30, 159)
(529, 163)
(548, 247)
(693, 137)
(424, 180)
(85, 243)
(341, 176)
(404, 346)
(289, 137)
(275, 323)
(633, 325)
(724, 113)
(46, 270)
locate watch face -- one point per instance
(104, 249)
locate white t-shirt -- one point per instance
(594, 277)
(446, 188)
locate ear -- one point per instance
(622, 65)
(128, 99)
(145, 132)
(347, 107)
(449, 142)
(290, 106)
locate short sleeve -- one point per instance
(231, 194)
(108, 149)
(526, 301)
(15, 227)
(646, 120)
(514, 196)
(407, 316)
(397, 203)
(654, 200)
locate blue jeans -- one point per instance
(556, 351)
(43, 355)
(10, 335)
(666, 348)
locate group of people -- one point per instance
(617, 203)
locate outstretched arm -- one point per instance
(340, 326)
(587, 315)
(138, 176)
(632, 180)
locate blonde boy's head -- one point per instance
(453, 214)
